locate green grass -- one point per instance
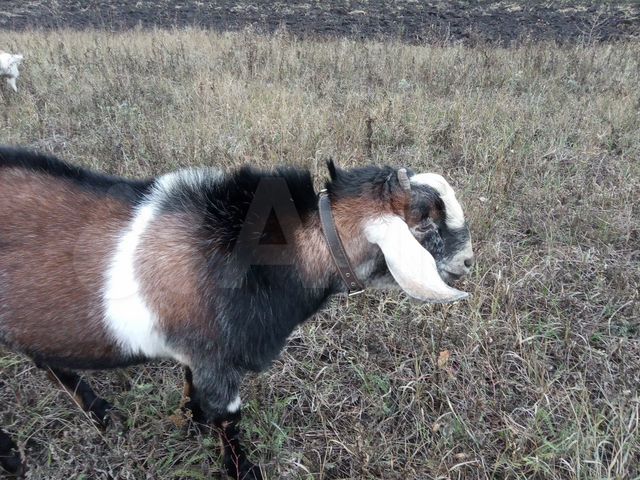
(542, 144)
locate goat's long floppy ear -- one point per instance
(411, 265)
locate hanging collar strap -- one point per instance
(351, 280)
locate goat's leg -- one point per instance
(10, 459)
(190, 404)
(237, 464)
(214, 399)
(83, 395)
(11, 81)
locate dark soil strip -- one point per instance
(472, 22)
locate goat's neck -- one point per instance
(317, 263)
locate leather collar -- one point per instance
(340, 258)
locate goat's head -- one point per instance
(419, 227)
(438, 223)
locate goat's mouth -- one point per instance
(449, 277)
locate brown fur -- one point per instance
(72, 390)
(168, 261)
(187, 389)
(56, 240)
(313, 251)
(349, 214)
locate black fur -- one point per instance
(362, 181)
(454, 239)
(224, 204)
(433, 241)
(80, 363)
(331, 166)
(423, 199)
(9, 456)
(197, 414)
(97, 407)
(259, 299)
(234, 456)
(95, 182)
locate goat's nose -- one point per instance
(469, 262)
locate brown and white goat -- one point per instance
(212, 270)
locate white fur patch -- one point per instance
(455, 216)
(190, 176)
(130, 320)
(410, 264)
(127, 316)
(234, 406)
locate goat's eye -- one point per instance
(426, 227)
(431, 239)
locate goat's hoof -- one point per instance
(117, 421)
(109, 418)
(243, 470)
(100, 412)
(193, 411)
(13, 465)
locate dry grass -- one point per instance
(542, 144)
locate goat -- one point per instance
(211, 269)
(9, 68)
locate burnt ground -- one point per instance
(483, 21)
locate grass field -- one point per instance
(536, 377)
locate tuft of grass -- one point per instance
(540, 378)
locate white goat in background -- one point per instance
(9, 68)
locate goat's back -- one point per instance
(58, 229)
